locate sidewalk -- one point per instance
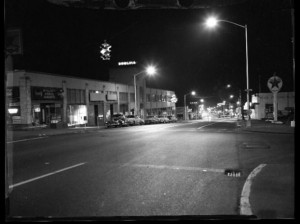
(266, 127)
(39, 131)
(272, 191)
(35, 132)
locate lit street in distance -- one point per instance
(146, 170)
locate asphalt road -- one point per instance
(150, 170)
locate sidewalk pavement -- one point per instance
(42, 131)
(266, 127)
(273, 192)
(39, 131)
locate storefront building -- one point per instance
(37, 98)
(262, 104)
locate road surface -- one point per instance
(172, 169)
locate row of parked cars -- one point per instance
(119, 120)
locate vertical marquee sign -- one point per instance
(275, 84)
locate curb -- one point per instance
(55, 134)
(269, 132)
(245, 207)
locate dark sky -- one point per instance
(66, 40)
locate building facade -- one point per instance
(263, 104)
(39, 98)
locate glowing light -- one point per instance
(193, 93)
(151, 70)
(37, 109)
(124, 63)
(174, 99)
(12, 110)
(105, 50)
(211, 22)
(204, 114)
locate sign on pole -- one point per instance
(275, 84)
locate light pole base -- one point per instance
(248, 123)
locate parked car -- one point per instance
(163, 119)
(172, 118)
(133, 120)
(151, 120)
(117, 120)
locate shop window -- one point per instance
(148, 98)
(123, 108)
(153, 98)
(76, 96)
(77, 114)
(123, 96)
(132, 97)
(14, 115)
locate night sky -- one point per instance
(66, 40)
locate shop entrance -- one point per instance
(99, 115)
(47, 113)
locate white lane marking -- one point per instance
(207, 125)
(245, 207)
(177, 167)
(28, 139)
(46, 175)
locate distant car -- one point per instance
(172, 118)
(151, 120)
(117, 120)
(133, 120)
(163, 119)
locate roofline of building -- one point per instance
(74, 77)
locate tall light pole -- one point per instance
(191, 93)
(149, 71)
(212, 22)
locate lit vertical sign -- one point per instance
(105, 50)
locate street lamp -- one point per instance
(191, 93)
(212, 22)
(150, 70)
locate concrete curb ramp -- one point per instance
(245, 207)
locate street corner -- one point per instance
(272, 192)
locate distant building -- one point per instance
(39, 98)
(262, 104)
(150, 101)
(180, 112)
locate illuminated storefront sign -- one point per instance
(124, 63)
(46, 93)
(13, 94)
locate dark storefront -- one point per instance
(47, 105)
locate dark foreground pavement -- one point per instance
(272, 189)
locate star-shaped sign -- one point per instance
(275, 83)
